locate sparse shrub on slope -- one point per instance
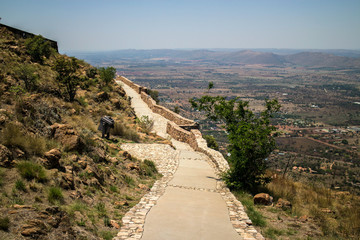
(30, 170)
(337, 213)
(4, 223)
(154, 95)
(211, 142)
(55, 195)
(26, 73)
(146, 124)
(121, 130)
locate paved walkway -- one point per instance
(189, 202)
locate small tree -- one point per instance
(26, 73)
(38, 48)
(107, 74)
(176, 109)
(66, 75)
(250, 137)
(211, 142)
(154, 95)
(210, 86)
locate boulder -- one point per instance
(114, 224)
(18, 153)
(143, 186)
(132, 166)
(99, 155)
(121, 203)
(5, 156)
(263, 199)
(284, 204)
(67, 181)
(68, 137)
(52, 158)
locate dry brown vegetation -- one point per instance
(335, 213)
(58, 178)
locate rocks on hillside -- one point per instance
(102, 96)
(52, 158)
(5, 156)
(67, 136)
(263, 199)
(284, 204)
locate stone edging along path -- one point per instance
(134, 220)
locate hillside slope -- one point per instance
(58, 178)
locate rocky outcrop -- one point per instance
(68, 137)
(263, 199)
(284, 204)
(5, 156)
(52, 158)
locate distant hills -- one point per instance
(282, 57)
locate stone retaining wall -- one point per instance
(193, 137)
(166, 113)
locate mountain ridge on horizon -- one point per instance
(311, 58)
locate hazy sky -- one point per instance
(150, 24)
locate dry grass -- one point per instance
(12, 136)
(122, 130)
(337, 213)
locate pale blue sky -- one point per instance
(150, 24)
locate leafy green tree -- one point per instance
(67, 75)
(38, 48)
(26, 73)
(107, 74)
(251, 137)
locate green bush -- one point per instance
(20, 185)
(30, 170)
(26, 73)
(107, 221)
(211, 142)
(148, 168)
(55, 195)
(129, 180)
(107, 235)
(4, 223)
(38, 48)
(113, 188)
(100, 207)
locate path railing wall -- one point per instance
(177, 125)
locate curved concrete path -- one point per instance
(189, 206)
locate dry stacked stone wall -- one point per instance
(193, 137)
